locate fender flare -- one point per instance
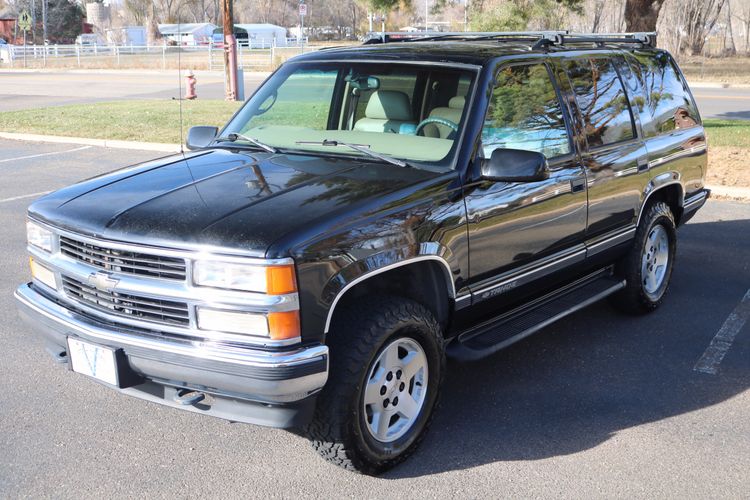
(658, 183)
(374, 271)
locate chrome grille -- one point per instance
(127, 305)
(122, 261)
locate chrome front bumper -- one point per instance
(267, 387)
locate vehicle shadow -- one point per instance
(576, 384)
(734, 115)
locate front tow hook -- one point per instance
(188, 397)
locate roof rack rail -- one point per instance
(543, 38)
(417, 36)
(643, 38)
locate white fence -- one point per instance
(258, 55)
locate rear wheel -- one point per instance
(647, 268)
(386, 367)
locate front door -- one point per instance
(521, 232)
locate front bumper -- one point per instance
(272, 388)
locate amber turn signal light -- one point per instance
(284, 325)
(280, 280)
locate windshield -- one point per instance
(413, 113)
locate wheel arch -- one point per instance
(435, 288)
(668, 188)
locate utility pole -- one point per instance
(44, 22)
(33, 21)
(466, 16)
(230, 51)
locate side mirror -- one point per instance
(515, 165)
(200, 137)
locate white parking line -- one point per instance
(722, 341)
(45, 154)
(32, 195)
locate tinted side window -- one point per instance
(525, 113)
(602, 101)
(667, 105)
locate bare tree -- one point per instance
(701, 18)
(733, 48)
(744, 17)
(152, 27)
(598, 10)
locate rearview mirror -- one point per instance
(200, 137)
(363, 82)
(515, 165)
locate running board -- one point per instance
(498, 333)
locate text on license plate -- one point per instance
(92, 360)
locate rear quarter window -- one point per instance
(602, 101)
(665, 104)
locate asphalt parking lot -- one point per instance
(601, 405)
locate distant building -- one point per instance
(126, 35)
(8, 29)
(255, 35)
(188, 33)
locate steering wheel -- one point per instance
(439, 121)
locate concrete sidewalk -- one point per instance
(104, 143)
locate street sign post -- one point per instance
(24, 22)
(302, 14)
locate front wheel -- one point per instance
(386, 367)
(647, 268)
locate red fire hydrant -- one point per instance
(190, 85)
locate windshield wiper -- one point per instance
(362, 148)
(233, 137)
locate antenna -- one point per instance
(179, 81)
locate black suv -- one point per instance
(368, 211)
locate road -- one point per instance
(23, 90)
(601, 405)
(20, 90)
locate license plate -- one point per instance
(93, 360)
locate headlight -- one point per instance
(275, 325)
(38, 236)
(273, 280)
(233, 322)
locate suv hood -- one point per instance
(233, 199)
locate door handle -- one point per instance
(578, 184)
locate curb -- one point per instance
(732, 192)
(717, 85)
(103, 143)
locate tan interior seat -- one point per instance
(386, 111)
(453, 113)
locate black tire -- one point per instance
(635, 298)
(359, 333)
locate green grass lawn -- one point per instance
(149, 121)
(733, 133)
(159, 120)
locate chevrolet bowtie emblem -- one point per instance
(102, 281)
